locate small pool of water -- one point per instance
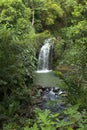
(48, 79)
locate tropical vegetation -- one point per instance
(24, 25)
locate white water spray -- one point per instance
(45, 57)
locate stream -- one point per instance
(51, 95)
(52, 99)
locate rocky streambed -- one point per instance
(52, 98)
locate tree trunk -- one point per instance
(33, 13)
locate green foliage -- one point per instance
(16, 62)
(46, 16)
(13, 10)
(45, 120)
(35, 127)
(17, 54)
(59, 48)
(8, 58)
(19, 20)
(76, 92)
(11, 126)
(16, 16)
(53, 12)
(73, 47)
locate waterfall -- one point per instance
(45, 56)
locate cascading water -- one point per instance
(51, 96)
(45, 57)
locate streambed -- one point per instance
(52, 99)
(51, 96)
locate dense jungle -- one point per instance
(60, 102)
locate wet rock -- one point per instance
(51, 99)
(60, 92)
(40, 91)
(56, 89)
